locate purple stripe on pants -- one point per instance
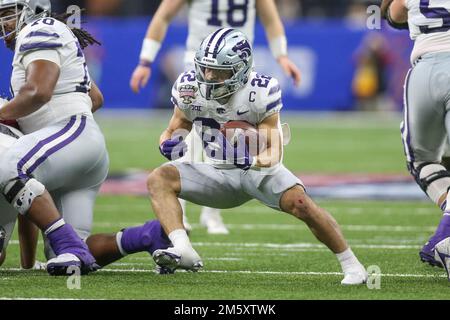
(41, 144)
(59, 146)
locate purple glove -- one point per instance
(239, 154)
(173, 149)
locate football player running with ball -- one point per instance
(205, 16)
(426, 123)
(223, 88)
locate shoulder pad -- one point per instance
(268, 93)
(47, 33)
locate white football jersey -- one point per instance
(257, 100)
(52, 40)
(206, 16)
(429, 25)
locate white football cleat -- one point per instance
(442, 254)
(355, 276)
(175, 258)
(213, 223)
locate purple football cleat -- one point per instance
(427, 254)
(71, 251)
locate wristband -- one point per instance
(278, 46)
(149, 50)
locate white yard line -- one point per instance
(284, 273)
(299, 245)
(288, 246)
(281, 226)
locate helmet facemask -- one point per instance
(23, 15)
(217, 90)
(9, 19)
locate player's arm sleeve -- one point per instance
(41, 37)
(49, 55)
(270, 100)
(43, 41)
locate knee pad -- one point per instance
(22, 192)
(433, 179)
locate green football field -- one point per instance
(268, 255)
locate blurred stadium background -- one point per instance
(346, 147)
(345, 66)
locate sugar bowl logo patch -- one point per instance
(187, 93)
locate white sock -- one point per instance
(119, 243)
(180, 238)
(55, 226)
(348, 260)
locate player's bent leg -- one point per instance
(108, 248)
(296, 202)
(433, 178)
(29, 197)
(8, 217)
(77, 209)
(164, 185)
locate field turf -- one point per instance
(268, 255)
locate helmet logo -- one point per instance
(209, 60)
(243, 49)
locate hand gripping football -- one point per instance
(234, 128)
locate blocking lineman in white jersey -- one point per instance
(63, 150)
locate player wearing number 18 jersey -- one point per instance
(426, 124)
